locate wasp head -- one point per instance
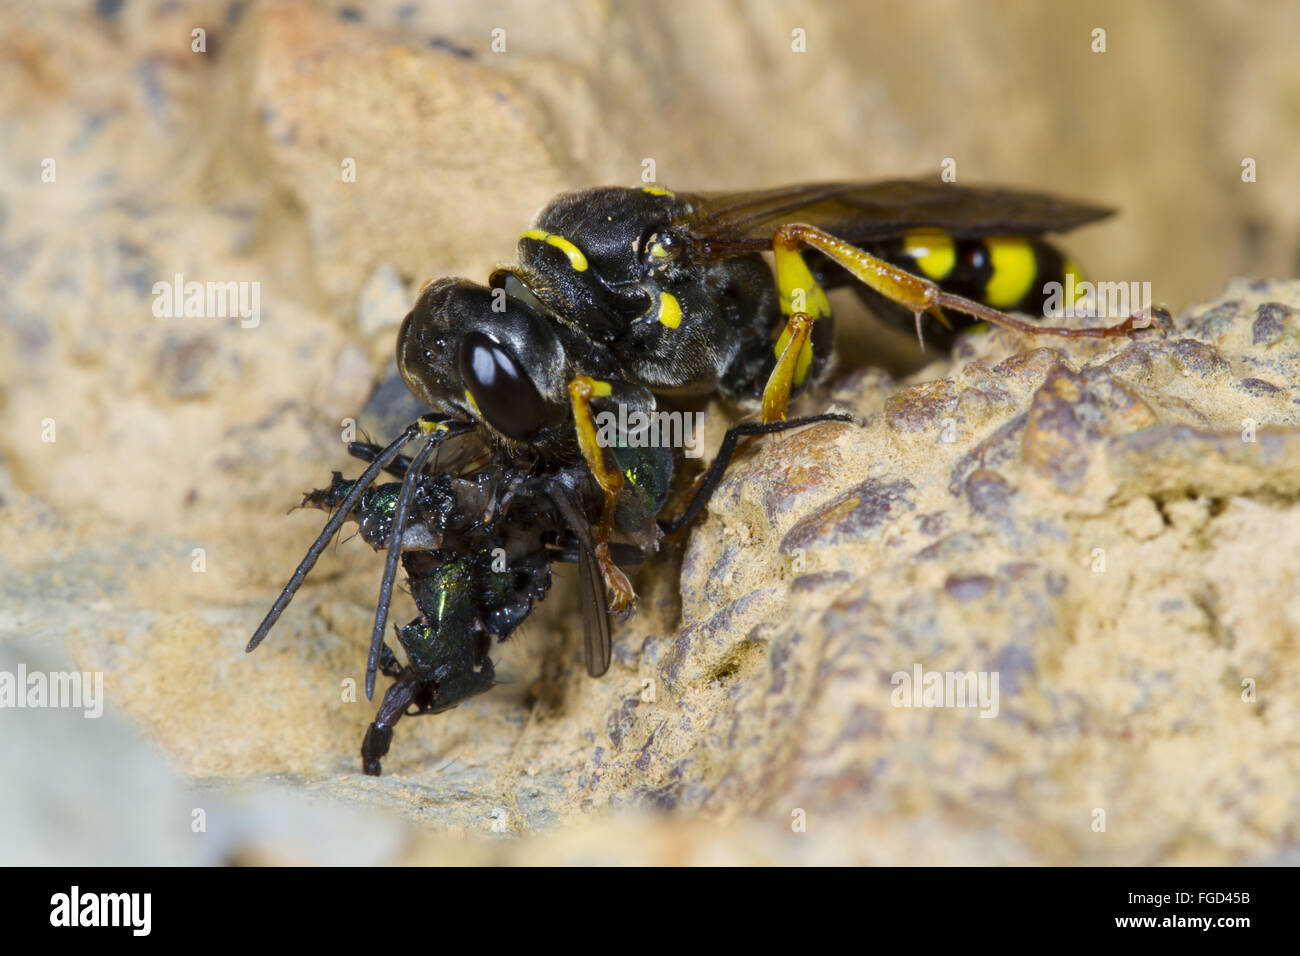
(478, 353)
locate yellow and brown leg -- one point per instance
(794, 355)
(581, 391)
(912, 292)
(803, 302)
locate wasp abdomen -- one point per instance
(1012, 273)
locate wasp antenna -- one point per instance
(322, 540)
(443, 431)
(390, 564)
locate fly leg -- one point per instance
(379, 735)
(389, 665)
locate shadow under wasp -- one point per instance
(641, 298)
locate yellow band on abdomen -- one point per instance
(1014, 268)
(933, 251)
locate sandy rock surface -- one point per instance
(1109, 528)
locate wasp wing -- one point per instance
(722, 225)
(463, 456)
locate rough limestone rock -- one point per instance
(1109, 529)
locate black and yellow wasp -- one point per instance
(637, 295)
(642, 297)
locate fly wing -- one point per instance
(722, 225)
(597, 641)
(596, 638)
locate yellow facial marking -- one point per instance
(600, 389)
(657, 191)
(469, 399)
(933, 251)
(576, 258)
(1014, 270)
(792, 274)
(670, 311)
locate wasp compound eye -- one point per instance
(504, 395)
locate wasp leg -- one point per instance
(570, 552)
(581, 391)
(794, 356)
(727, 450)
(795, 281)
(437, 431)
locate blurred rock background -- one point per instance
(135, 149)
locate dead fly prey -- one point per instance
(477, 544)
(630, 301)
